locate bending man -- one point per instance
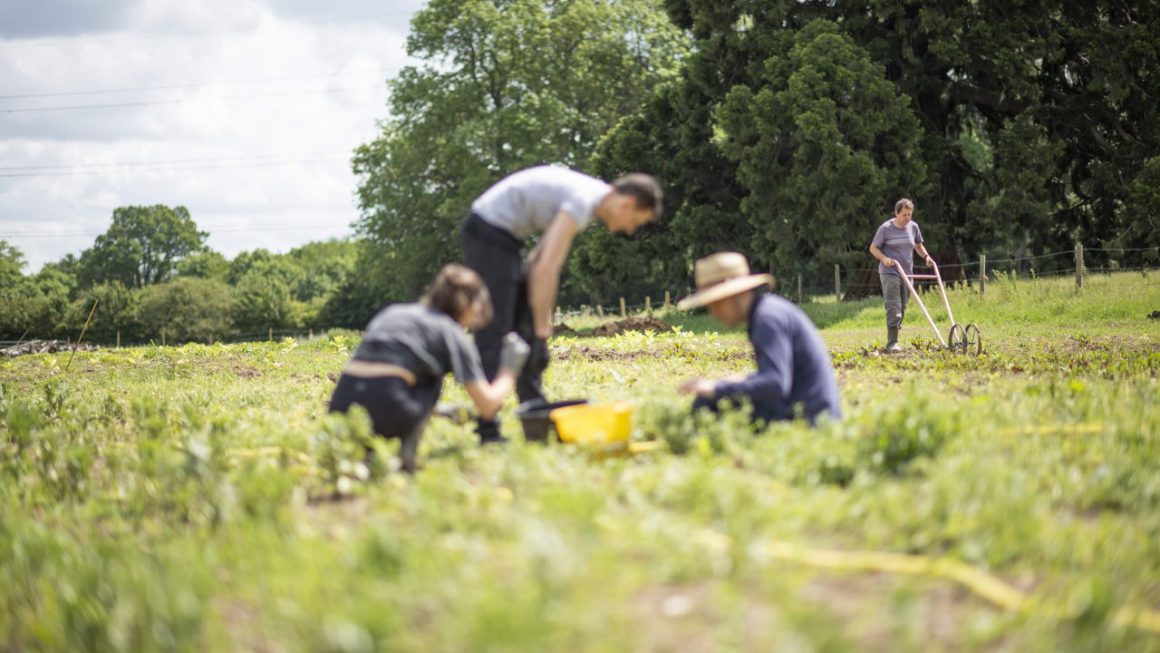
(557, 203)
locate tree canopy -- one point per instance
(793, 128)
(505, 84)
(11, 265)
(142, 246)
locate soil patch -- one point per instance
(247, 372)
(602, 354)
(631, 324)
(44, 347)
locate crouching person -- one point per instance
(397, 371)
(793, 366)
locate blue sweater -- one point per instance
(793, 365)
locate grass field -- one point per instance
(197, 498)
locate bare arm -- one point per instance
(921, 249)
(545, 263)
(882, 258)
(488, 397)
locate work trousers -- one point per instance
(895, 294)
(397, 410)
(494, 254)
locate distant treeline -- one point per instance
(784, 130)
(151, 277)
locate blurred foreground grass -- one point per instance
(197, 498)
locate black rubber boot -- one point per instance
(488, 430)
(892, 340)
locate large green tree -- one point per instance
(504, 84)
(819, 139)
(1034, 125)
(186, 309)
(115, 313)
(141, 247)
(11, 265)
(38, 306)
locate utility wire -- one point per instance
(59, 42)
(112, 170)
(117, 105)
(79, 166)
(175, 87)
(211, 230)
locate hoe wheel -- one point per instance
(972, 340)
(956, 339)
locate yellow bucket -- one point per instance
(595, 423)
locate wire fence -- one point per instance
(861, 282)
(845, 283)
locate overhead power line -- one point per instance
(210, 229)
(179, 165)
(147, 103)
(196, 85)
(120, 36)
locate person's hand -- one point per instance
(889, 262)
(514, 353)
(929, 261)
(457, 413)
(699, 387)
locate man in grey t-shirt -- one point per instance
(557, 203)
(894, 246)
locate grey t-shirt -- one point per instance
(897, 243)
(525, 202)
(422, 339)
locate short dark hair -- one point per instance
(455, 289)
(645, 189)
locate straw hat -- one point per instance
(719, 276)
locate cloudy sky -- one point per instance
(243, 111)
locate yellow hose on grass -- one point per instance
(984, 585)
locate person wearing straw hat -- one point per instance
(793, 367)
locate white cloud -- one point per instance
(244, 112)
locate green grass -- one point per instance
(197, 497)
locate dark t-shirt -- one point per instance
(793, 366)
(423, 340)
(898, 243)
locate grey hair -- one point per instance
(903, 204)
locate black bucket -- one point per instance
(534, 416)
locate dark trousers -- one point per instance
(495, 255)
(397, 410)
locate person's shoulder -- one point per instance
(887, 223)
(570, 176)
(775, 309)
(780, 310)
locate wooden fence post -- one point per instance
(118, 338)
(648, 305)
(623, 311)
(600, 311)
(1078, 265)
(837, 283)
(668, 301)
(163, 338)
(270, 334)
(799, 293)
(982, 274)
